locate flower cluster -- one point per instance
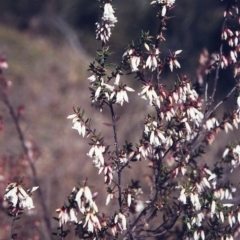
(81, 200)
(104, 27)
(18, 198)
(181, 123)
(165, 5)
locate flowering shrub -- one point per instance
(188, 197)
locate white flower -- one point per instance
(78, 124)
(225, 153)
(213, 208)
(129, 199)
(66, 215)
(18, 197)
(134, 63)
(63, 216)
(73, 215)
(92, 222)
(182, 198)
(151, 62)
(148, 93)
(173, 60)
(84, 199)
(211, 123)
(122, 95)
(195, 201)
(169, 3)
(11, 196)
(120, 219)
(195, 115)
(104, 27)
(26, 203)
(108, 15)
(97, 151)
(108, 173)
(92, 78)
(238, 101)
(109, 197)
(117, 79)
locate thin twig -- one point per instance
(12, 226)
(217, 70)
(220, 103)
(119, 172)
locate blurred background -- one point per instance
(49, 45)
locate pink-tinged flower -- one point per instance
(66, 215)
(63, 216)
(3, 63)
(173, 60)
(121, 95)
(92, 222)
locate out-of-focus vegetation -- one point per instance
(196, 26)
(48, 44)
